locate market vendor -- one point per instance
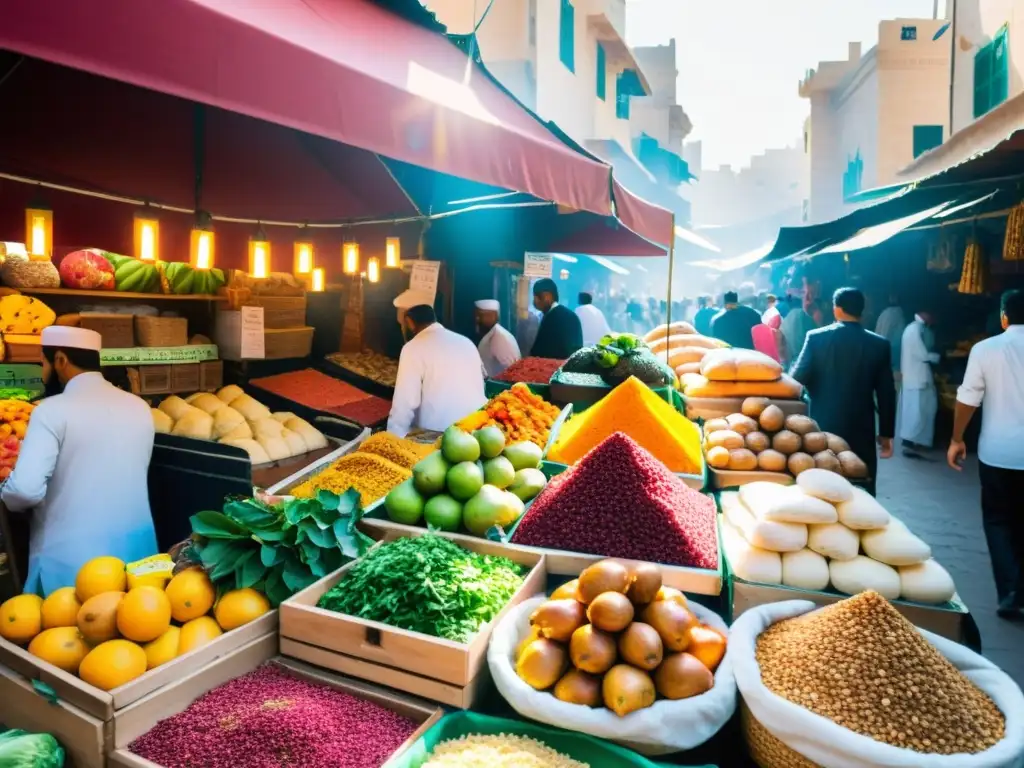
(83, 467)
(440, 374)
(560, 333)
(498, 347)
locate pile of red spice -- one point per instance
(530, 370)
(269, 719)
(311, 388)
(367, 411)
(620, 501)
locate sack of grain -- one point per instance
(783, 734)
(663, 728)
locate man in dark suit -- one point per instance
(560, 333)
(847, 371)
(734, 323)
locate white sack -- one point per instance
(786, 504)
(805, 570)
(861, 574)
(833, 540)
(764, 534)
(750, 563)
(830, 745)
(862, 512)
(926, 582)
(895, 545)
(665, 727)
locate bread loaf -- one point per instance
(697, 385)
(739, 365)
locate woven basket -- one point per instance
(766, 750)
(161, 331)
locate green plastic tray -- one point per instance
(587, 749)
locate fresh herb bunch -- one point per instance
(282, 548)
(16, 393)
(426, 584)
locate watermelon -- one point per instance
(208, 280)
(181, 277)
(87, 270)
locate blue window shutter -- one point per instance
(601, 74)
(991, 74)
(622, 94)
(567, 35)
(926, 137)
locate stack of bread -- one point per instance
(234, 418)
(731, 372)
(824, 531)
(681, 346)
(762, 437)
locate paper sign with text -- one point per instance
(253, 341)
(537, 265)
(424, 276)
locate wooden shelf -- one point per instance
(121, 295)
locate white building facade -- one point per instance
(873, 113)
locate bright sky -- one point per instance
(740, 61)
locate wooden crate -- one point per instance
(441, 670)
(150, 379)
(117, 331)
(280, 311)
(104, 705)
(211, 375)
(140, 718)
(185, 378)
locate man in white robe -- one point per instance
(890, 326)
(498, 347)
(919, 400)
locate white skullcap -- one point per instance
(71, 338)
(489, 305)
(410, 298)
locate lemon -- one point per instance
(144, 614)
(60, 609)
(238, 607)
(21, 618)
(163, 649)
(63, 647)
(191, 595)
(101, 574)
(112, 664)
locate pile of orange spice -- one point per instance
(520, 414)
(633, 409)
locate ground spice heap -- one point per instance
(632, 408)
(368, 411)
(532, 370)
(269, 719)
(371, 475)
(520, 414)
(311, 388)
(501, 751)
(620, 501)
(862, 665)
(397, 450)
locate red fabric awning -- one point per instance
(346, 70)
(644, 218)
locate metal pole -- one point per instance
(671, 259)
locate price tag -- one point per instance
(253, 342)
(537, 265)
(424, 277)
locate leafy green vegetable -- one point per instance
(19, 749)
(279, 549)
(426, 584)
(16, 393)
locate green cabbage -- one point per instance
(19, 749)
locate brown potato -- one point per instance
(741, 459)
(714, 425)
(801, 424)
(826, 460)
(786, 442)
(757, 442)
(725, 438)
(836, 444)
(851, 465)
(741, 424)
(815, 442)
(718, 457)
(754, 406)
(772, 419)
(772, 461)
(799, 462)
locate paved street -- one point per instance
(942, 507)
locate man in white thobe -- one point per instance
(83, 467)
(594, 323)
(919, 400)
(440, 374)
(890, 326)
(498, 347)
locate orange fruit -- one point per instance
(191, 595)
(21, 618)
(144, 614)
(101, 574)
(112, 664)
(238, 607)
(163, 649)
(197, 633)
(63, 647)
(97, 618)
(61, 608)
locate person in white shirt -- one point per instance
(440, 374)
(498, 347)
(772, 310)
(890, 326)
(919, 400)
(592, 319)
(83, 467)
(995, 372)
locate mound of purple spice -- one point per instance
(620, 501)
(272, 719)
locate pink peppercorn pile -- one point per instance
(272, 719)
(531, 370)
(620, 501)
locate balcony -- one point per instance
(608, 19)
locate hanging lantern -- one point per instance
(350, 258)
(373, 269)
(201, 243)
(147, 236)
(259, 255)
(39, 231)
(303, 259)
(318, 280)
(393, 253)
